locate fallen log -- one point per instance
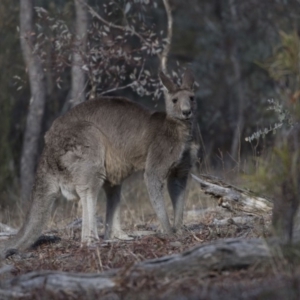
(233, 198)
(245, 220)
(6, 230)
(200, 261)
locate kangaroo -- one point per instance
(101, 142)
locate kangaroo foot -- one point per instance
(118, 234)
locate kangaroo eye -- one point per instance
(174, 100)
(192, 98)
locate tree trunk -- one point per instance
(239, 125)
(37, 101)
(287, 167)
(78, 75)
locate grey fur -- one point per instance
(101, 142)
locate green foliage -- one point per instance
(279, 174)
(285, 60)
(283, 118)
(284, 67)
(271, 171)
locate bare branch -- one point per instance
(123, 28)
(165, 53)
(141, 71)
(127, 85)
(117, 88)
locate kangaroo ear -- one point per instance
(188, 79)
(167, 82)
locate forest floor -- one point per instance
(280, 280)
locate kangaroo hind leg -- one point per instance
(112, 222)
(84, 164)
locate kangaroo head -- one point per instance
(180, 101)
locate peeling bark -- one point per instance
(232, 197)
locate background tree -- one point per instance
(78, 83)
(11, 120)
(37, 102)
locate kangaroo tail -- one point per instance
(42, 198)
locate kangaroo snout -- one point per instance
(187, 113)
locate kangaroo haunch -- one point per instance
(101, 142)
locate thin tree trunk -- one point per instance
(78, 75)
(239, 88)
(37, 101)
(166, 50)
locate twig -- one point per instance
(195, 237)
(141, 71)
(127, 85)
(117, 88)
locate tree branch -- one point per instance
(165, 52)
(127, 85)
(112, 25)
(117, 88)
(164, 55)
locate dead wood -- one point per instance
(232, 197)
(7, 229)
(241, 220)
(200, 261)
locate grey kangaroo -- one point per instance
(101, 142)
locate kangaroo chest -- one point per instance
(181, 150)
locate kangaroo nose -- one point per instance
(187, 113)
